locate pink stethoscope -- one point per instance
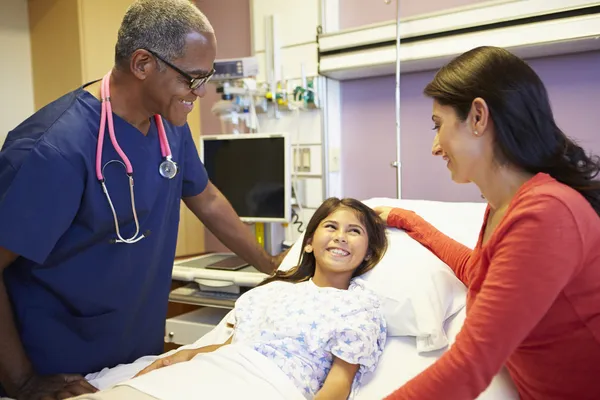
(168, 168)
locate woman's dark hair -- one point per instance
(526, 134)
(375, 233)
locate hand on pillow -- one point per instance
(404, 218)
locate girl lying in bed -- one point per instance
(316, 323)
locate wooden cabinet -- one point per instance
(72, 43)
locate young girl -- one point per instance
(318, 324)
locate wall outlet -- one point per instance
(305, 152)
(302, 159)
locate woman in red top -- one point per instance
(533, 279)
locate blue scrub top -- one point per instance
(82, 302)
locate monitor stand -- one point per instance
(274, 238)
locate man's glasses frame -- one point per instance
(194, 83)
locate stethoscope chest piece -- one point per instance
(168, 169)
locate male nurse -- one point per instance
(73, 298)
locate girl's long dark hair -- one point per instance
(375, 232)
(526, 134)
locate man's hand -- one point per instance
(180, 356)
(278, 259)
(54, 387)
(217, 214)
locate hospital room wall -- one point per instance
(15, 70)
(368, 117)
(356, 13)
(368, 114)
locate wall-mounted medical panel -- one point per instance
(529, 28)
(304, 127)
(307, 161)
(294, 62)
(297, 21)
(284, 37)
(309, 191)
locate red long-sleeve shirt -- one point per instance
(533, 301)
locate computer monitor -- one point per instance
(253, 173)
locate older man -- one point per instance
(85, 276)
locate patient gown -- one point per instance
(300, 326)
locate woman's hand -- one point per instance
(403, 219)
(383, 212)
(180, 356)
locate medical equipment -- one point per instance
(249, 105)
(212, 287)
(167, 169)
(228, 264)
(398, 163)
(234, 80)
(253, 172)
(235, 68)
(194, 269)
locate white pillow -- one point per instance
(418, 291)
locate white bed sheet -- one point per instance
(399, 363)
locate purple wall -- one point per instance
(368, 117)
(353, 12)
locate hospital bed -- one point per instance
(423, 301)
(400, 362)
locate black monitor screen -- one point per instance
(250, 172)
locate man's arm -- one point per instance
(15, 367)
(338, 383)
(17, 375)
(217, 214)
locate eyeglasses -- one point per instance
(195, 83)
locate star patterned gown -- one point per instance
(300, 327)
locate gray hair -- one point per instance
(160, 26)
